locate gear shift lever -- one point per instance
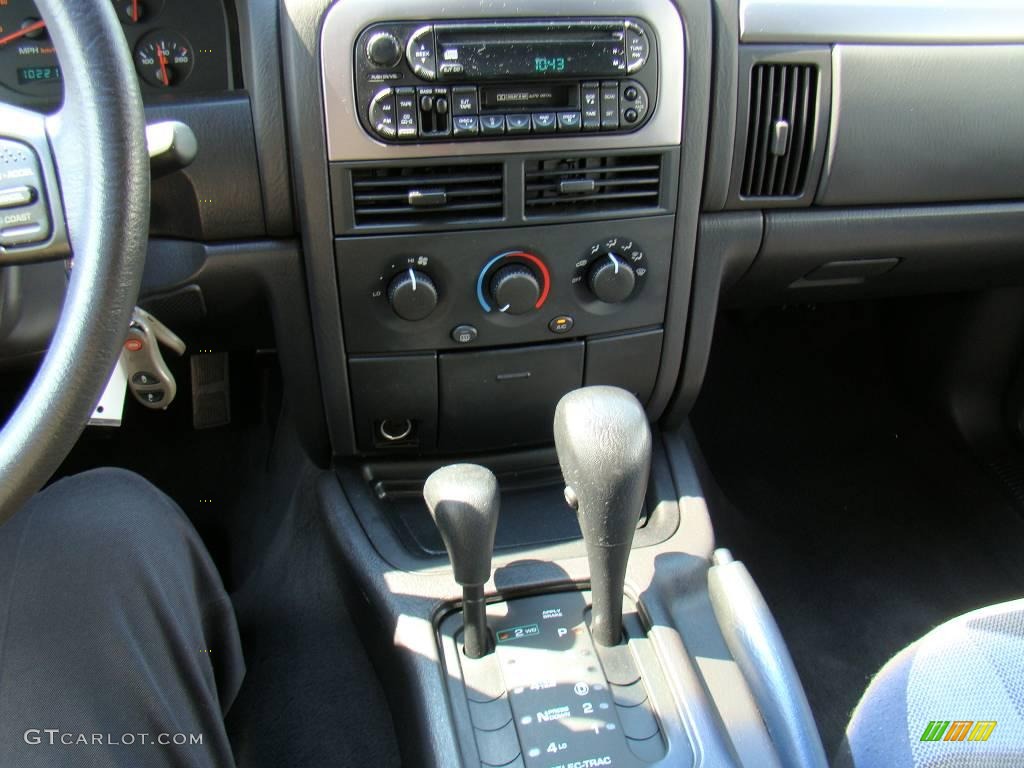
(463, 500)
(604, 448)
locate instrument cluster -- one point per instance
(178, 46)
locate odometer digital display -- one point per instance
(33, 75)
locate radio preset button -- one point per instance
(609, 105)
(568, 121)
(518, 123)
(420, 52)
(466, 125)
(543, 122)
(465, 101)
(637, 47)
(491, 125)
(382, 113)
(590, 98)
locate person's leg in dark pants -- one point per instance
(116, 632)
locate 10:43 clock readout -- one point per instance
(543, 64)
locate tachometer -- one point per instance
(164, 59)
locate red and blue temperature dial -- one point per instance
(513, 283)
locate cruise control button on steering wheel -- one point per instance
(31, 220)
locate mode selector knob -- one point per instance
(515, 289)
(611, 279)
(412, 295)
(383, 49)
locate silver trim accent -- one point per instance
(881, 21)
(346, 139)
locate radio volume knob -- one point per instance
(611, 279)
(383, 49)
(412, 295)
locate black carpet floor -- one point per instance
(865, 521)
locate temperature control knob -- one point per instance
(611, 279)
(383, 49)
(412, 295)
(515, 289)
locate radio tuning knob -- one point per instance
(611, 279)
(383, 49)
(515, 289)
(412, 295)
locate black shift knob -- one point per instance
(604, 448)
(464, 502)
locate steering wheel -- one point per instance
(87, 170)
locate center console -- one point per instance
(501, 209)
(500, 206)
(503, 197)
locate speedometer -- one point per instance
(28, 64)
(177, 46)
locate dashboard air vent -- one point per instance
(590, 184)
(427, 194)
(780, 129)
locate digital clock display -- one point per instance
(544, 64)
(33, 75)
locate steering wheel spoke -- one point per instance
(32, 223)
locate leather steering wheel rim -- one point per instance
(98, 144)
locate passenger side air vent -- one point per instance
(780, 130)
(576, 185)
(427, 194)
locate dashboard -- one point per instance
(180, 47)
(445, 214)
(501, 202)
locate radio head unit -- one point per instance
(428, 81)
(545, 49)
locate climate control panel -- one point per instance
(461, 289)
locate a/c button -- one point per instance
(561, 324)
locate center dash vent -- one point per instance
(427, 194)
(566, 186)
(780, 129)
